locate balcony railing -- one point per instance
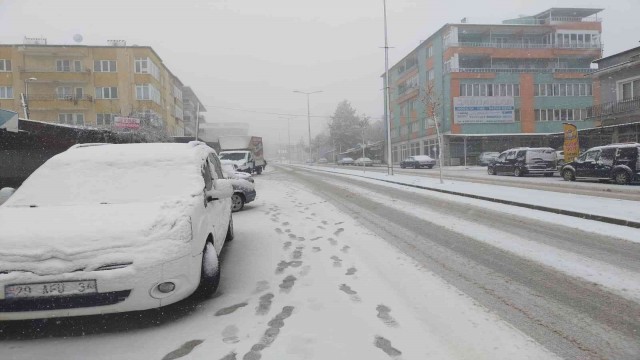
(613, 108)
(571, 19)
(519, 70)
(52, 97)
(525, 45)
(54, 69)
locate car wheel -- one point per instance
(416, 166)
(621, 177)
(210, 273)
(230, 234)
(401, 166)
(430, 167)
(490, 171)
(548, 174)
(517, 172)
(568, 175)
(237, 202)
(259, 170)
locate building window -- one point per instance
(564, 89)
(69, 65)
(5, 65)
(105, 66)
(178, 113)
(483, 89)
(414, 127)
(6, 92)
(71, 119)
(430, 52)
(105, 119)
(414, 148)
(68, 92)
(146, 66)
(629, 89)
(148, 92)
(107, 92)
(431, 75)
(177, 93)
(560, 114)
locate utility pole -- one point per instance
(387, 92)
(197, 120)
(308, 114)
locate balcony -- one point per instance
(51, 74)
(56, 97)
(521, 70)
(45, 102)
(614, 108)
(515, 45)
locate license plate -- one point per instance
(63, 288)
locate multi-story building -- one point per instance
(192, 108)
(92, 85)
(496, 86)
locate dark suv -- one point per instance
(523, 161)
(618, 162)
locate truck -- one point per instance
(245, 153)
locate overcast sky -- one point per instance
(251, 54)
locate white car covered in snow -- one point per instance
(113, 228)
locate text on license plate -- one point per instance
(50, 289)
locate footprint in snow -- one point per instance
(352, 293)
(285, 223)
(229, 356)
(345, 249)
(325, 222)
(265, 304)
(316, 249)
(287, 245)
(279, 231)
(287, 283)
(316, 238)
(321, 227)
(338, 223)
(283, 265)
(337, 232)
(337, 262)
(384, 314)
(230, 309)
(261, 286)
(301, 238)
(293, 236)
(332, 241)
(385, 345)
(183, 350)
(230, 335)
(351, 271)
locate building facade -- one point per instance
(92, 85)
(495, 86)
(192, 108)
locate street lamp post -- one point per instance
(25, 97)
(308, 114)
(387, 102)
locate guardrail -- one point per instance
(613, 108)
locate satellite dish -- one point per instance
(77, 38)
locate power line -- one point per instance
(275, 113)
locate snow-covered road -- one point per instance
(330, 267)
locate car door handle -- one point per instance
(211, 198)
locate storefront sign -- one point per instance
(571, 145)
(483, 110)
(120, 122)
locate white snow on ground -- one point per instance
(622, 282)
(587, 204)
(304, 281)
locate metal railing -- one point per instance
(52, 97)
(613, 108)
(571, 19)
(519, 70)
(515, 45)
(54, 69)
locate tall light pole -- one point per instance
(288, 137)
(308, 114)
(387, 92)
(25, 97)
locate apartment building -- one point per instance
(192, 108)
(92, 86)
(497, 85)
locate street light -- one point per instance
(387, 98)
(308, 114)
(25, 97)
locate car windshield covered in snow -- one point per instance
(112, 174)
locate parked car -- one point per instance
(243, 189)
(363, 161)
(418, 161)
(524, 161)
(617, 162)
(346, 161)
(322, 161)
(486, 158)
(560, 158)
(119, 228)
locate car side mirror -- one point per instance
(5, 194)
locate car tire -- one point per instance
(210, 272)
(568, 175)
(549, 174)
(490, 171)
(401, 166)
(259, 170)
(430, 167)
(416, 166)
(237, 202)
(517, 172)
(230, 232)
(621, 177)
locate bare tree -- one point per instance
(432, 103)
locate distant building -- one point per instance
(190, 104)
(499, 85)
(92, 85)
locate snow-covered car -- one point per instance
(418, 161)
(363, 161)
(322, 161)
(114, 228)
(345, 161)
(243, 189)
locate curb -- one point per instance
(587, 216)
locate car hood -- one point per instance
(55, 239)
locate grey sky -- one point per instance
(251, 54)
